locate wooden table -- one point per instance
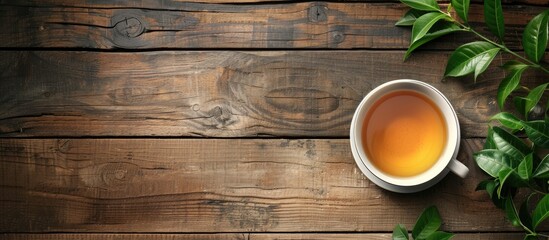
(188, 120)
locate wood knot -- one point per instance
(338, 36)
(129, 27)
(222, 116)
(109, 175)
(63, 145)
(114, 174)
(120, 174)
(318, 13)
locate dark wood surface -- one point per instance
(218, 185)
(177, 5)
(221, 119)
(218, 93)
(323, 25)
(246, 236)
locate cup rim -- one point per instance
(451, 120)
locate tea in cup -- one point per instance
(405, 136)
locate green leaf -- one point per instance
(534, 96)
(498, 202)
(438, 30)
(541, 212)
(513, 65)
(409, 18)
(534, 38)
(515, 181)
(537, 132)
(525, 167)
(424, 23)
(520, 105)
(509, 83)
(440, 235)
(400, 232)
(462, 8)
(471, 57)
(493, 161)
(425, 5)
(530, 237)
(524, 213)
(489, 144)
(489, 185)
(503, 176)
(509, 143)
(508, 120)
(542, 171)
(508, 178)
(482, 185)
(493, 16)
(427, 223)
(511, 212)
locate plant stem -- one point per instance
(537, 190)
(527, 229)
(503, 47)
(520, 222)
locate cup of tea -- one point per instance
(405, 136)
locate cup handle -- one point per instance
(458, 168)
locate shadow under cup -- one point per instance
(447, 159)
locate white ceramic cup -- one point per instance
(447, 160)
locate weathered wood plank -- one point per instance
(198, 25)
(221, 94)
(246, 236)
(115, 236)
(217, 185)
(175, 4)
(374, 236)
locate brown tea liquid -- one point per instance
(404, 133)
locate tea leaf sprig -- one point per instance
(511, 162)
(426, 227)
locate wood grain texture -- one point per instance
(175, 4)
(247, 236)
(370, 236)
(219, 94)
(116, 236)
(218, 185)
(197, 25)
(231, 189)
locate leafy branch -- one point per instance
(426, 227)
(511, 162)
